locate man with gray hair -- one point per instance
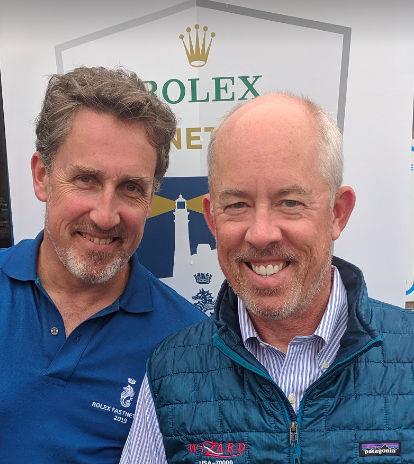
(297, 364)
(79, 314)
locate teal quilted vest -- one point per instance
(216, 404)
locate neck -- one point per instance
(279, 333)
(75, 299)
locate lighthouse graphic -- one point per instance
(182, 256)
(178, 247)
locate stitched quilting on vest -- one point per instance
(214, 408)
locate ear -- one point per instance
(40, 177)
(344, 204)
(208, 214)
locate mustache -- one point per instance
(273, 250)
(92, 229)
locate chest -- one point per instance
(354, 411)
(78, 393)
(74, 310)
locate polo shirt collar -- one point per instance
(136, 298)
(21, 263)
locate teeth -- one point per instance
(96, 240)
(268, 270)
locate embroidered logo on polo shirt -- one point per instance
(222, 451)
(128, 394)
(384, 448)
(119, 415)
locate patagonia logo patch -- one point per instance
(384, 448)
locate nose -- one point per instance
(263, 229)
(105, 211)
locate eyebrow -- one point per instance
(84, 170)
(232, 193)
(293, 189)
(296, 189)
(99, 174)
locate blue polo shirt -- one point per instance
(72, 400)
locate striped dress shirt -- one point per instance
(307, 357)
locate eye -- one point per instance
(133, 189)
(291, 203)
(238, 205)
(84, 180)
(232, 209)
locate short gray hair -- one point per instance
(331, 157)
(116, 91)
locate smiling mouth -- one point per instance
(97, 240)
(268, 269)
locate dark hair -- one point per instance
(116, 91)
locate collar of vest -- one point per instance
(359, 333)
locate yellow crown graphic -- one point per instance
(197, 53)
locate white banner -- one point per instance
(192, 58)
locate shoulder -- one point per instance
(16, 252)
(164, 296)
(396, 327)
(19, 261)
(189, 337)
(387, 317)
(5, 253)
(187, 347)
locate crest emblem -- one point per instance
(128, 393)
(204, 301)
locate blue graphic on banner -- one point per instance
(204, 300)
(177, 245)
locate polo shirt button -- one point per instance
(54, 331)
(292, 398)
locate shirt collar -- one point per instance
(21, 264)
(247, 328)
(336, 307)
(137, 296)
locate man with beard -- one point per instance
(297, 364)
(79, 314)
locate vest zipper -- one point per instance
(295, 419)
(294, 434)
(294, 442)
(290, 416)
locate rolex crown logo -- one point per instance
(197, 50)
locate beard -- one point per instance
(91, 267)
(294, 297)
